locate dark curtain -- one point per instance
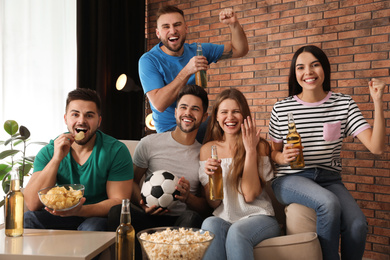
(110, 41)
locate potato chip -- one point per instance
(79, 136)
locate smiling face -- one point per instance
(82, 116)
(172, 30)
(309, 72)
(189, 113)
(229, 116)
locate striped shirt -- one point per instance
(322, 125)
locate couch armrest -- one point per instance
(291, 247)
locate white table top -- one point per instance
(54, 244)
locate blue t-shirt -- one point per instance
(110, 160)
(157, 69)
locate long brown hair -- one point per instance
(215, 133)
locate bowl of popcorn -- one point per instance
(61, 197)
(174, 243)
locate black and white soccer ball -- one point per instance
(160, 189)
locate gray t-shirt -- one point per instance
(162, 152)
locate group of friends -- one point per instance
(182, 145)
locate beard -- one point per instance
(187, 130)
(165, 42)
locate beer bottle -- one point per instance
(215, 180)
(125, 235)
(14, 206)
(294, 138)
(200, 76)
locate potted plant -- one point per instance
(12, 156)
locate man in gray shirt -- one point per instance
(178, 153)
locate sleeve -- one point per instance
(273, 128)
(355, 121)
(212, 51)
(203, 177)
(122, 165)
(265, 168)
(149, 74)
(43, 157)
(140, 158)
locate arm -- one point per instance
(48, 176)
(136, 191)
(374, 139)
(238, 47)
(210, 165)
(161, 98)
(195, 203)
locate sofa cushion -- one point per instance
(292, 247)
(300, 219)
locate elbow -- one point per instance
(377, 151)
(249, 198)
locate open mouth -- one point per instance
(173, 39)
(231, 124)
(311, 80)
(78, 130)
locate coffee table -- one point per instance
(54, 244)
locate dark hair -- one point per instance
(168, 9)
(293, 87)
(84, 94)
(197, 91)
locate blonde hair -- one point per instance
(215, 133)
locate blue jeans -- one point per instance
(236, 241)
(336, 209)
(44, 220)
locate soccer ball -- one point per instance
(159, 189)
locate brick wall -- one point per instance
(355, 36)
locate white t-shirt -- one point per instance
(162, 152)
(233, 206)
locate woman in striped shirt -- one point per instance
(323, 119)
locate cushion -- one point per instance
(300, 219)
(290, 247)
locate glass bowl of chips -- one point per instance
(174, 243)
(61, 197)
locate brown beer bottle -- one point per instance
(215, 180)
(200, 76)
(14, 206)
(125, 235)
(294, 138)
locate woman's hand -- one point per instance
(289, 153)
(376, 87)
(250, 136)
(211, 165)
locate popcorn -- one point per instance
(175, 244)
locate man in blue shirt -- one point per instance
(172, 63)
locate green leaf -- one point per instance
(19, 140)
(7, 153)
(2, 203)
(4, 169)
(29, 158)
(11, 127)
(13, 138)
(6, 182)
(27, 168)
(24, 132)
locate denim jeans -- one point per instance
(337, 211)
(236, 241)
(44, 220)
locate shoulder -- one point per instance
(265, 148)
(205, 150)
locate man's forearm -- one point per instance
(239, 40)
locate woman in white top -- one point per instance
(245, 216)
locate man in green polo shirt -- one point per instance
(98, 161)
